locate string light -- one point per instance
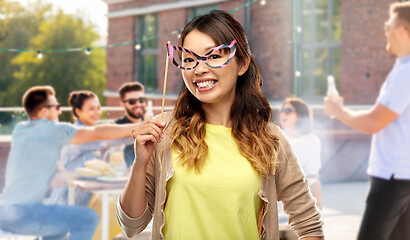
(297, 74)
(263, 2)
(88, 51)
(177, 32)
(137, 46)
(39, 54)
(298, 29)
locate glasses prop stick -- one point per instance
(165, 84)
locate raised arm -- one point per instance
(135, 205)
(370, 121)
(103, 132)
(147, 136)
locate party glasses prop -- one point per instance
(165, 83)
(217, 57)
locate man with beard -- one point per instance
(132, 99)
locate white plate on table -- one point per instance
(112, 179)
(80, 177)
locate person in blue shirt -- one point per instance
(387, 213)
(35, 148)
(86, 111)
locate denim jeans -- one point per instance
(387, 213)
(52, 222)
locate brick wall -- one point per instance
(168, 23)
(364, 66)
(136, 4)
(120, 60)
(270, 35)
(270, 39)
(364, 61)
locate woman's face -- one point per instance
(287, 116)
(217, 85)
(90, 113)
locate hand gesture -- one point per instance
(333, 106)
(146, 137)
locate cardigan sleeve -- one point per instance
(132, 226)
(293, 190)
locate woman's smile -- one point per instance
(203, 85)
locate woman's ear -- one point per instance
(76, 110)
(244, 66)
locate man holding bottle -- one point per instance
(387, 211)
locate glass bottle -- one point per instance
(149, 113)
(331, 87)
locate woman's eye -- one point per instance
(214, 56)
(188, 60)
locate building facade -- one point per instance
(296, 43)
(162, 21)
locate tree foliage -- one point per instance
(17, 26)
(40, 28)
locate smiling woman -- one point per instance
(217, 161)
(85, 107)
(86, 110)
(296, 121)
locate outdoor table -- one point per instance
(106, 189)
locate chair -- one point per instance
(11, 236)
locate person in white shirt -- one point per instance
(387, 213)
(296, 121)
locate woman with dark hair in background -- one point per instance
(296, 121)
(215, 168)
(86, 111)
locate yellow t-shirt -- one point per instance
(220, 202)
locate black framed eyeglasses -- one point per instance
(286, 111)
(133, 101)
(57, 106)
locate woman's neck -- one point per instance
(291, 132)
(83, 123)
(218, 114)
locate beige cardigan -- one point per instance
(288, 184)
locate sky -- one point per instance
(95, 9)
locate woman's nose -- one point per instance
(201, 68)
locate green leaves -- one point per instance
(37, 27)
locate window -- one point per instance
(147, 56)
(197, 11)
(317, 31)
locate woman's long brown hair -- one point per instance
(250, 112)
